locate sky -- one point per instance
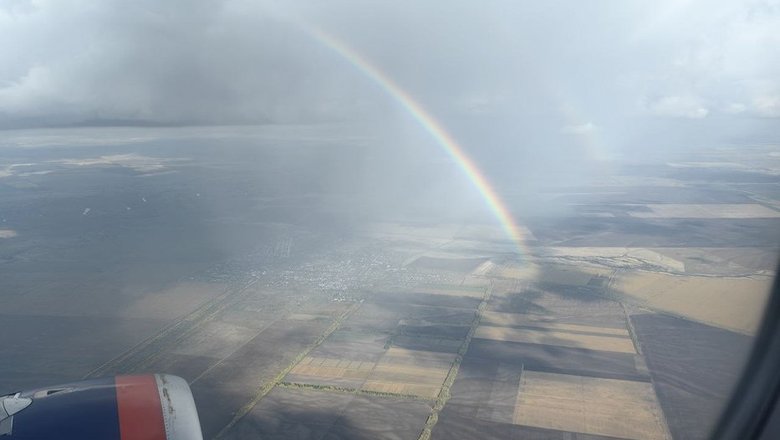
(608, 77)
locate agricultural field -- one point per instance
(301, 413)
(734, 303)
(609, 407)
(625, 312)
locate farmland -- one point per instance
(297, 311)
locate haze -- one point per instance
(255, 196)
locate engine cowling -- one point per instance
(148, 407)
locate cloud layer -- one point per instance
(527, 72)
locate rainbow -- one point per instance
(432, 126)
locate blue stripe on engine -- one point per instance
(88, 410)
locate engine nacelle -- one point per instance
(150, 407)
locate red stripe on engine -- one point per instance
(140, 409)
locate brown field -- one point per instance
(514, 271)
(619, 255)
(571, 275)
(557, 338)
(292, 314)
(399, 371)
(215, 339)
(476, 281)
(303, 317)
(715, 261)
(361, 357)
(723, 261)
(166, 303)
(410, 372)
(405, 356)
(422, 343)
(467, 291)
(237, 379)
(609, 407)
(544, 322)
(287, 413)
(731, 303)
(173, 302)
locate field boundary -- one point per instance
(347, 390)
(444, 394)
(244, 410)
(175, 330)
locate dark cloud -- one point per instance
(503, 73)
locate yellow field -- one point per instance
(608, 407)
(409, 374)
(326, 368)
(732, 303)
(556, 337)
(398, 354)
(399, 371)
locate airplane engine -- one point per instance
(149, 407)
